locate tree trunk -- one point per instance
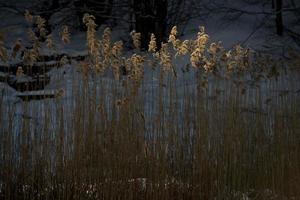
(150, 17)
(279, 21)
(161, 22)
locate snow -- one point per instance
(254, 31)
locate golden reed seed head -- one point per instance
(136, 38)
(174, 31)
(166, 62)
(31, 35)
(30, 56)
(89, 21)
(137, 60)
(40, 22)
(65, 35)
(117, 48)
(28, 16)
(87, 18)
(195, 58)
(136, 67)
(238, 49)
(199, 47)
(91, 26)
(224, 56)
(183, 48)
(106, 33)
(127, 64)
(17, 46)
(213, 48)
(49, 42)
(152, 44)
(3, 54)
(201, 30)
(106, 37)
(202, 41)
(172, 38)
(116, 59)
(36, 47)
(3, 51)
(99, 67)
(43, 32)
(20, 71)
(64, 60)
(105, 46)
(165, 58)
(208, 64)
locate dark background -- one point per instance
(279, 17)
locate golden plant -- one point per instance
(136, 38)
(41, 24)
(64, 60)
(65, 35)
(3, 51)
(16, 48)
(30, 56)
(195, 58)
(165, 58)
(3, 54)
(183, 48)
(31, 35)
(198, 47)
(117, 48)
(127, 64)
(20, 71)
(49, 42)
(173, 39)
(135, 67)
(213, 48)
(106, 46)
(28, 16)
(208, 64)
(89, 21)
(152, 44)
(99, 67)
(116, 59)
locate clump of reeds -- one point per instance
(130, 139)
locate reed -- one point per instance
(225, 128)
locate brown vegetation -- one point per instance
(229, 133)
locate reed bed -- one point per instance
(213, 129)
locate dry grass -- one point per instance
(207, 133)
